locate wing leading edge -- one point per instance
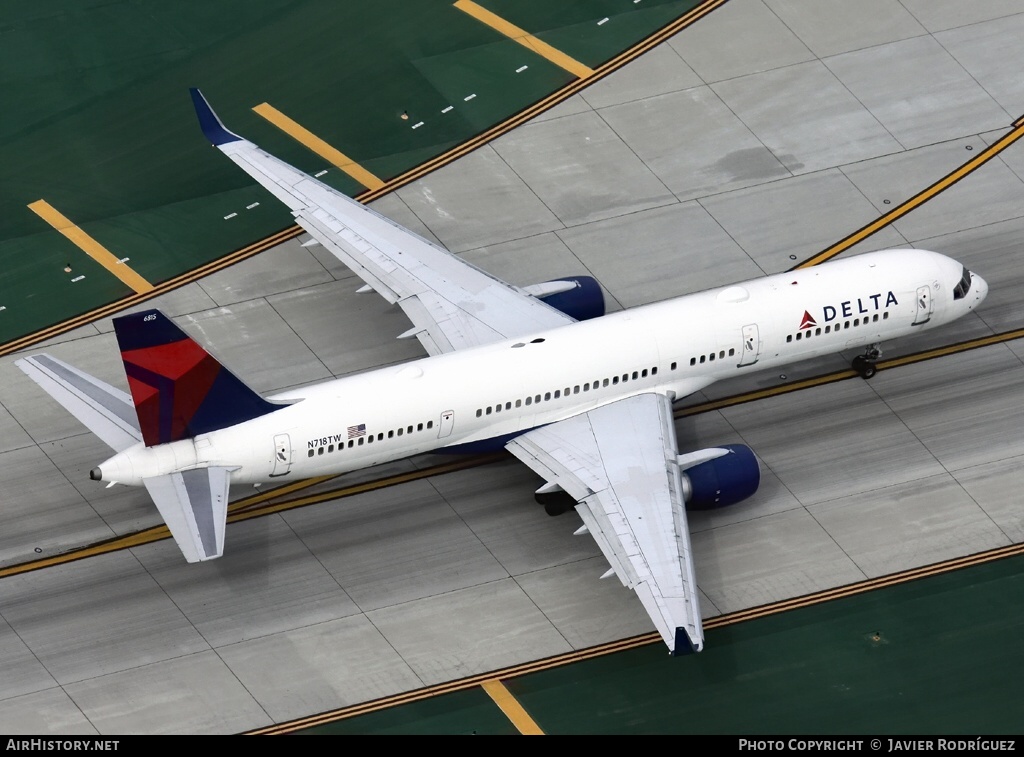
(451, 303)
(619, 462)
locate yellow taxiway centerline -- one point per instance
(509, 705)
(524, 38)
(313, 142)
(920, 198)
(90, 246)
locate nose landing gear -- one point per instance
(865, 364)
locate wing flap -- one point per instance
(619, 462)
(108, 412)
(194, 505)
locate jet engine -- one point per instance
(713, 480)
(579, 297)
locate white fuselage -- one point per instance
(498, 390)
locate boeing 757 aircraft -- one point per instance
(583, 398)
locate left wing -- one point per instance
(452, 304)
(619, 462)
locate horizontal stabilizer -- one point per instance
(194, 505)
(104, 410)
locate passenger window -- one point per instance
(604, 382)
(479, 412)
(693, 361)
(615, 380)
(409, 429)
(320, 450)
(369, 439)
(711, 357)
(311, 453)
(519, 403)
(330, 448)
(856, 321)
(351, 443)
(508, 405)
(654, 371)
(586, 387)
(673, 366)
(361, 440)
(391, 434)
(488, 410)
(817, 331)
(643, 373)
(702, 359)
(885, 315)
(576, 389)
(636, 375)
(732, 351)
(799, 336)
(430, 424)
(497, 408)
(419, 426)
(875, 318)
(399, 432)
(828, 329)
(558, 393)
(529, 400)
(789, 337)
(536, 398)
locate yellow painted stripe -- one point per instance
(524, 38)
(89, 246)
(317, 145)
(920, 198)
(510, 706)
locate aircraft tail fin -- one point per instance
(101, 408)
(178, 388)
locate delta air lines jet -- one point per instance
(582, 398)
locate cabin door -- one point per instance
(751, 345)
(447, 422)
(282, 455)
(924, 305)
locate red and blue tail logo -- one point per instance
(179, 389)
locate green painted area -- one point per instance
(576, 29)
(99, 123)
(940, 656)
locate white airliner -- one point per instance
(584, 399)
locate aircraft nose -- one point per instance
(981, 287)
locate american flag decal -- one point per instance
(354, 431)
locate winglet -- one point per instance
(212, 126)
(684, 644)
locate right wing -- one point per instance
(451, 303)
(194, 505)
(619, 461)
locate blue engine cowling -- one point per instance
(582, 302)
(723, 481)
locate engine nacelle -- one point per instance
(723, 480)
(579, 297)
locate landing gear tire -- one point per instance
(555, 503)
(865, 368)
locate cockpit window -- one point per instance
(963, 287)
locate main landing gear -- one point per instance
(556, 502)
(865, 364)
